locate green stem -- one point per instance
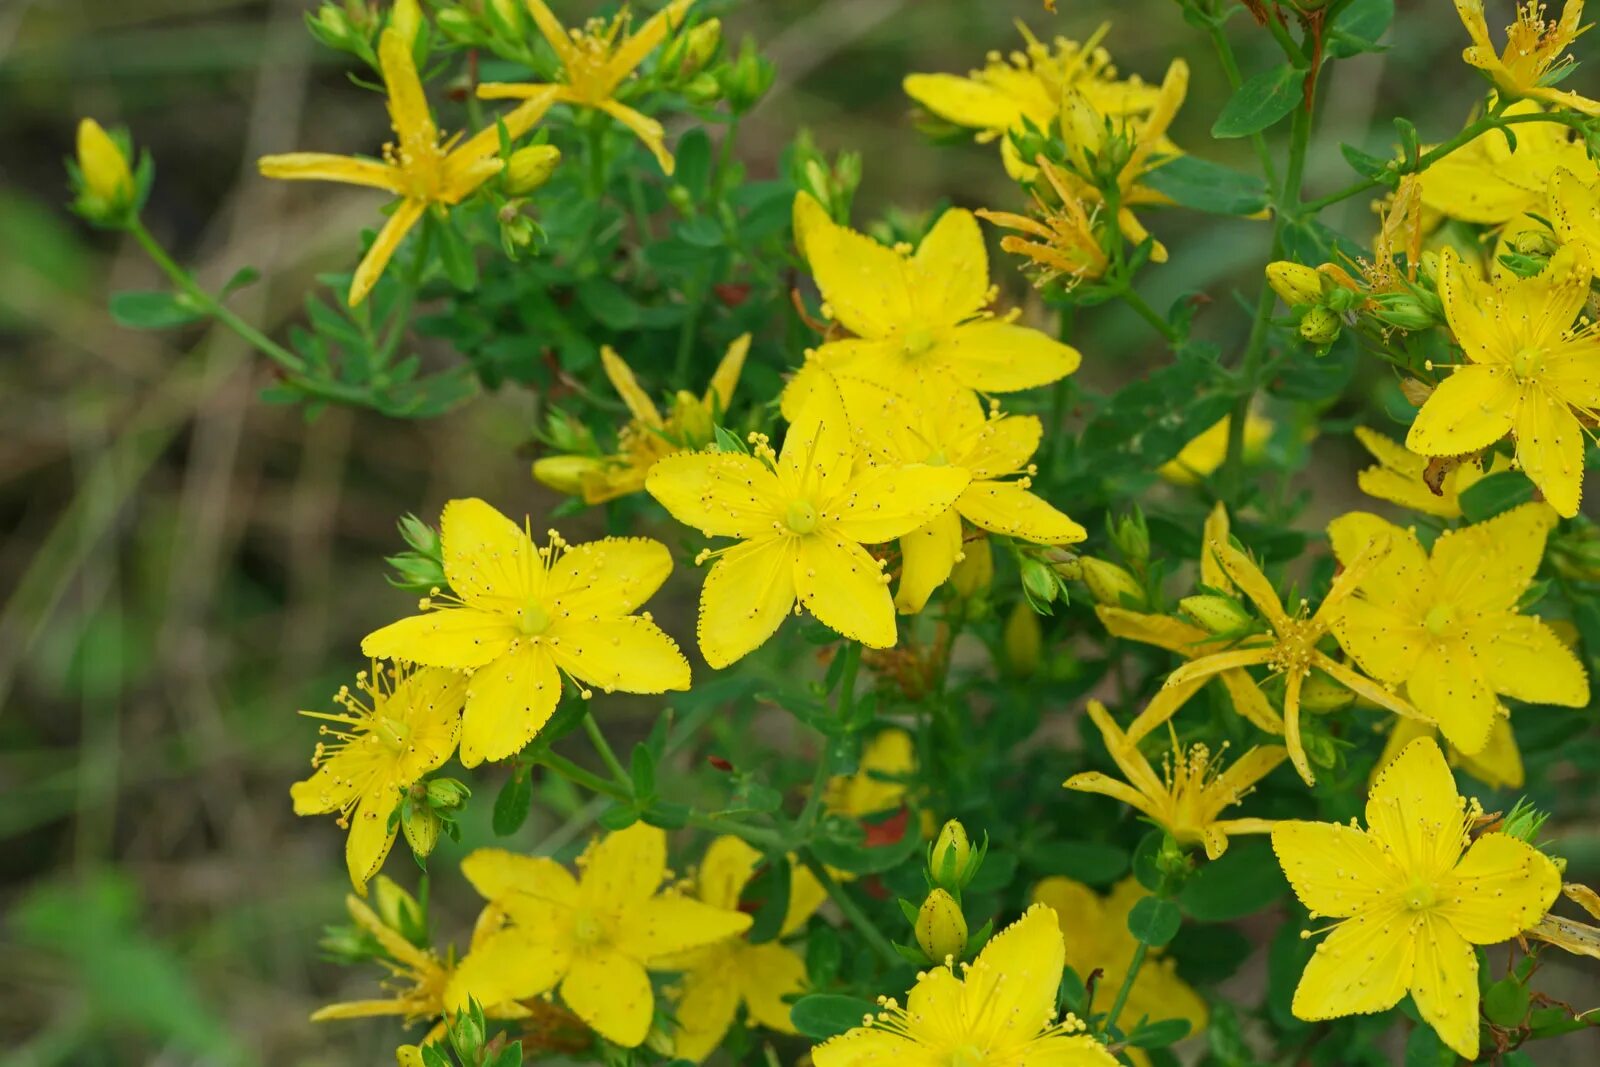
(578, 776)
(1150, 315)
(1121, 1000)
(1230, 68)
(401, 316)
(852, 912)
(807, 823)
(607, 756)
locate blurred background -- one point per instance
(183, 566)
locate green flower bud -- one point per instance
(1524, 822)
(530, 167)
(1407, 312)
(1341, 299)
(703, 89)
(1132, 537)
(1110, 585)
(1295, 283)
(941, 928)
(1218, 614)
(421, 825)
(947, 862)
(1038, 581)
(1023, 640)
(446, 794)
(747, 79)
(700, 47)
(1319, 326)
(1535, 242)
(398, 909)
(459, 26)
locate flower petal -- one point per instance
(964, 101)
(496, 873)
(371, 836)
(771, 972)
(1469, 411)
(1386, 644)
(1487, 566)
(511, 964)
(489, 560)
(630, 654)
(1012, 985)
(406, 215)
(883, 503)
(949, 274)
(1363, 966)
(927, 556)
(609, 577)
(1163, 631)
(868, 1047)
(408, 104)
(1250, 702)
(844, 588)
(1008, 508)
(721, 494)
(1550, 449)
(611, 993)
(623, 869)
(1337, 871)
(746, 596)
(457, 638)
(863, 282)
(325, 167)
(725, 870)
(1501, 887)
(668, 924)
(1449, 688)
(818, 451)
(1001, 357)
(1444, 985)
(705, 1009)
(1414, 809)
(508, 702)
(1002, 446)
(1524, 659)
(1244, 573)
(645, 128)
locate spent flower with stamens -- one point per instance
(1059, 239)
(801, 518)
(397, 725)
(419, 168)
(1535, 57)
(596, 61)
(948, 427)
(521, 616)
(1411, 895)
(1530, 372)
(1193, 789)
(1000, 1011)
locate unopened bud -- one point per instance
(1023, 640)
(941, 928)
(421, 825)
(397, 908)
(530, 167)
(406, 19)
(950, 857)
(1319, 326)
(330, 25)
(1319, 692)
(1132, 537)
(446, 794)
(458, 26)
(1534, 242)
(700, 47)
(1295, 283)
(1407, 312)
(1110, 585)
(106, 187)
(974, 572)
(1218, 614)
(567, 474)
(1038, 581)
(505, 16)
(747, 79)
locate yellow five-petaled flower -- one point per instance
(801, 518)
(1411, 895)
(521, 616)
(418, 168)
(1535, 56)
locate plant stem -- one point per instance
(607, 756)
(852, 912)
(1150, 315)
(807, 823)
(1134, 964)
(578, 776)
(1230, 68)
(401, 316)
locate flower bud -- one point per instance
(1339, 298)
(1534, 242)
(330, 25)
(974, 571)
(446, 794)
(1110, 585)
(1407, 312)
(1295, 283)
(408, 1056)
(567, 474)
(703, 89)
(941, 928)
(1218, 614)
(1038, 581)
(105, 183)
(467, 1032)
(947, 862)
(505, 16)
(1319, 326)
(458, 26)
(406, 19)
(1023, 640)
(700, 47)
(421, 825)
(530, 167)
(1132, 537)
(1524, 821)
(398, 909)
(747, 79)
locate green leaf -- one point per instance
(455, 254)
(844, 847)
(1488, 497)
(1424, 1049)
(242, 277)
(1201, 185)
(1261, 101)
(1244, 880)
(618, 817)
(770, 890)
(1154, 921)
(1359, 27)
(1090, 862)
(512, 803)
(1159, 1034)
(824, 1015)
(608, 303)
(153, 310)
(693, 156)
(1364, 163)
(642, 766)
(1506, 1003)
(701, 232)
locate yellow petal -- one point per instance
(496, 872)
(458, 638)
(1001, 357)
(771, 972)
(1449, 688)
(1249, 701)
(1385, 643)
(818, 451)
(370, 269)
(1007, 508)
(623, 869)
(949, 274)
(1163, 631)
(746, 596)
(1251, 582)
(1363, 966)
(666, 925)
(611, 576)
(1002, 446)
(475, 160)
(1335, 870)
(1444, 985)
(1501, 887)
(645, 128)
(1499, 765)
(806, 895)
(512, 964)
(611, 993)
(863, 283)
(1414, 809)
(1404, 563)
(408, 105)
(704, 1010)
(630, 654)
(638, 402)
(964, 101)
(867, 1047)
(927, 556)
(508, 701)
(371, 836)
(1095, 782)
(552, 31)
(428, 703)
(843, 587)
(328, 790)
(883, 503)
(1487, 566)
(725, 870)
(1470, 410)
(644, 40)
(1550, 449)
(721, 494)
(1215, 528)
(321, 166)
(1012, 985)
(1076, 906)
(726, 376)
(1524, 659)
(487, 557)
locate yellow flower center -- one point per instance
(968, 1056)
(1296, 644)
(801, 517)
(937, 459)
(532, 619)
(587, 930)
(1528, 362)
(1419, 897)
(1439, 619)
(394, 733)
(917, 342)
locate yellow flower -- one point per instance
(1405, 478)
(419, 979)
(720, 977)
(689, 425)
(1192, 642)
(595, 61)
(522, 616)
(1066, 246)
(1000, 1012)
(1289, 647)
(1487, 181)
(1202, 456)
(1096, 932)
(1445, 626)
(1192, 791)
(947, 427)
(1529, 372)
(594, 936)
(106, 176)
(1411, 898)
(916, 317)
(801, 518)
(1026, 88)
(1535, 56)
(879, 782)
(1498, 766)
(377, 751)
(419, 169)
